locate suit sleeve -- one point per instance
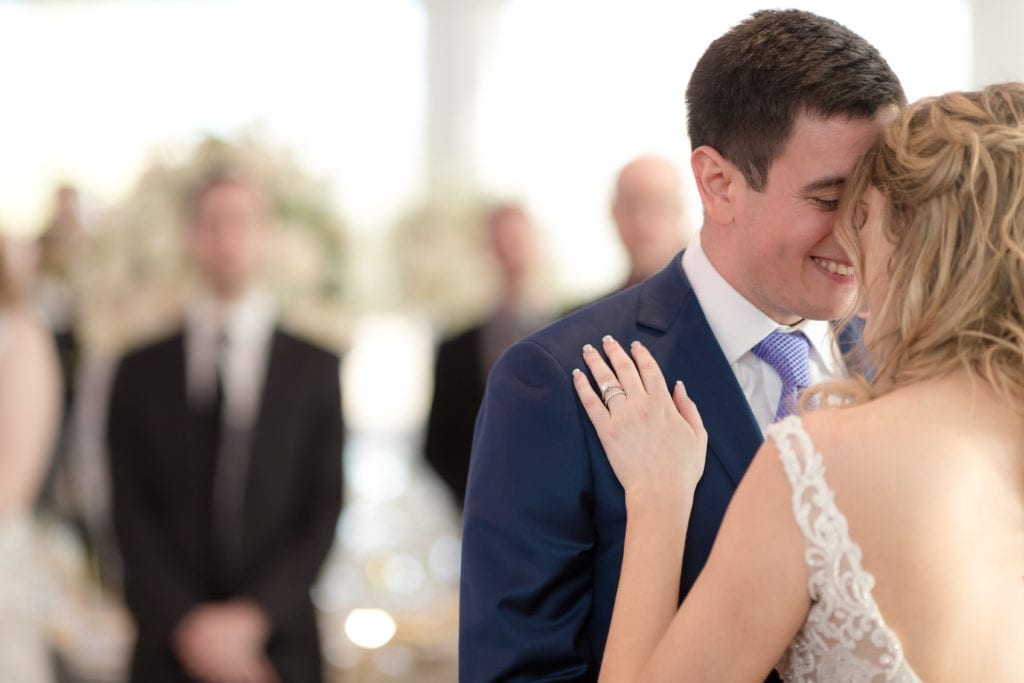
(528, 528)
(157, 588)
(295, 564)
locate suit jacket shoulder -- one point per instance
(296, 347)
(152, 368)
(545, 515)
(461, 340)
(155, 348)
(461, 354)
(651, 307)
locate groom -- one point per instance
(780, 109)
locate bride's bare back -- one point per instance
(931, 480)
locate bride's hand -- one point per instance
(654, 440)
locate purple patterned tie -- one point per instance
(789, 354)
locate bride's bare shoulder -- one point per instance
(939, 415)
(28, 357)
(921, 439)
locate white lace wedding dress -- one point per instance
(24, 656)
(844, 637)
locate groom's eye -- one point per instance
(824, 204)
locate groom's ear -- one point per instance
(719, 183)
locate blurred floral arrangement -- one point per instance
(445, 267)
(131, 276)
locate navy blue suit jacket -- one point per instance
(545, 516)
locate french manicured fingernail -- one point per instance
(587, 347)
(679, 383)
(635, 343)
(575, 371)
(607, 339)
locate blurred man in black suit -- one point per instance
(225, 442)
(463, 361)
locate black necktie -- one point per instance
(232, 464)
(209, 414)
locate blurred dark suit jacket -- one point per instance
(459, 380)
(163, 482)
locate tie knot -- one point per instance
(789, 354)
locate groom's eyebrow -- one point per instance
(827, 183)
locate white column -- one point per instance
(460, 42)
(998, 34)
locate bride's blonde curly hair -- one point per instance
(950, 171)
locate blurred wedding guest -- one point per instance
(29, 411)
(54, 290)
(225, 442)
(647, 209)
(464, 360)
(648, 212)
(55, 296)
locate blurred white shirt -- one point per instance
(247, 326)
(738, 326)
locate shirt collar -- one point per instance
(246, 318)
(739, 325)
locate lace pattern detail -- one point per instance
(23, 651)
(844, 637)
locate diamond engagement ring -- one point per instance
(610, 391)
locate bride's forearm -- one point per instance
(648, 592)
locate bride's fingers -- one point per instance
(596, 411)
(650, 373)
(604, 376)
(625, 368)
(688, 409)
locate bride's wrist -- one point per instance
(659, 499)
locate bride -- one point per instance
(878, 541)
(29, 408)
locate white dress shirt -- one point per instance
(233, 340)
(738, 326)
(247, 326)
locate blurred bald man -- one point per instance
(648, 214)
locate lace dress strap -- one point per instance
(844, 637)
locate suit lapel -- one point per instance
(185, 422)
(268, 393)
(177, 379)
(267, 421)
(689, 351)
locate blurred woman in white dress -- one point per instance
(29, 411)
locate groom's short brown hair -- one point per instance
(753, 81)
